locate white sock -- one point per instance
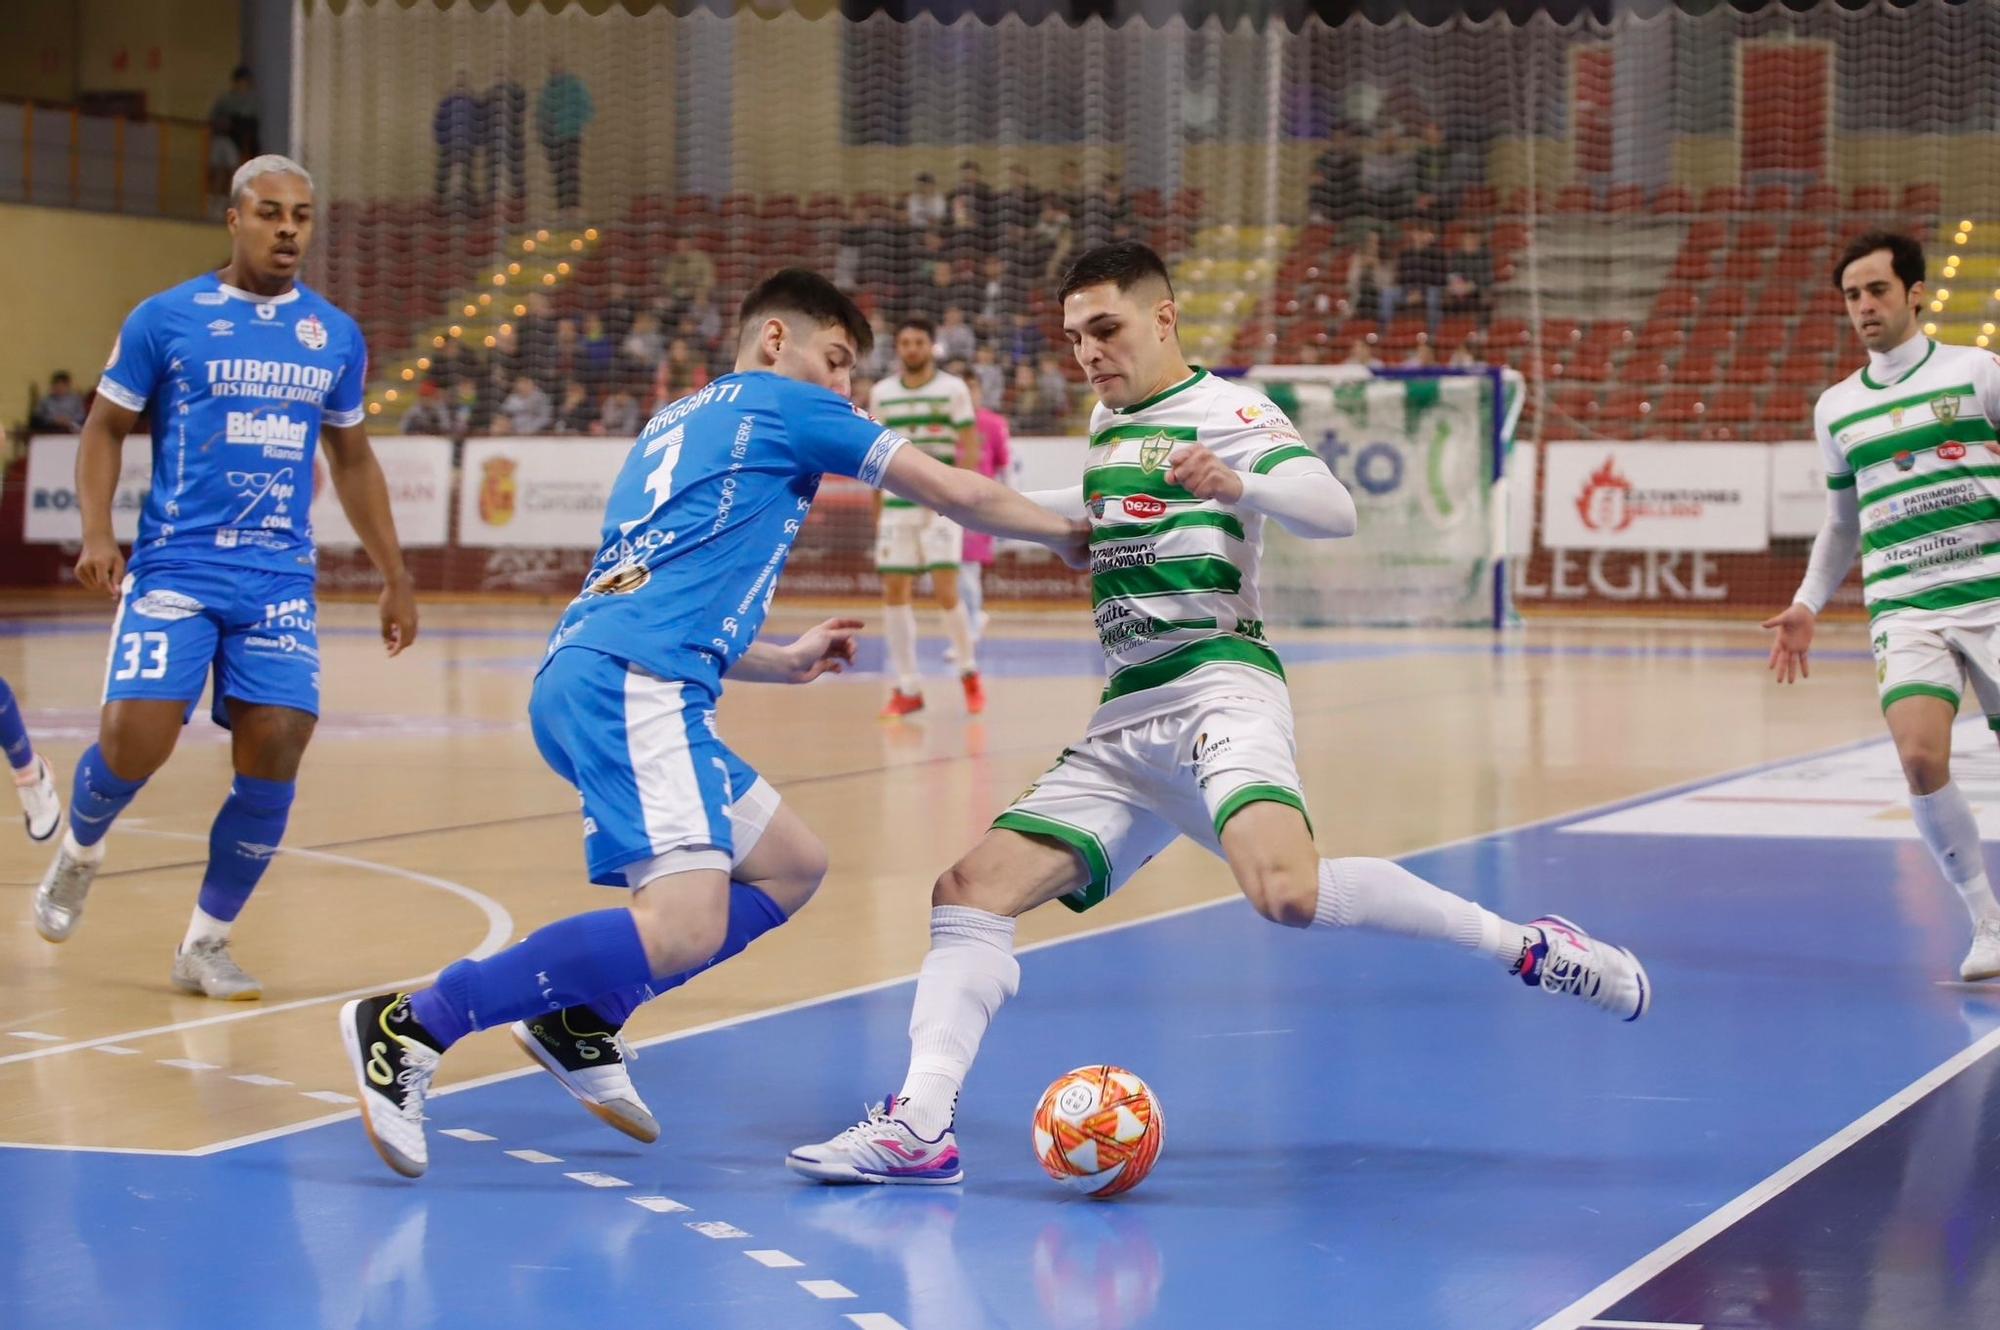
(969, 972)
(972, 594)
(958, 626)
(204, 927)
(1945, 821)
(899, 626)
(90, 854)
(1388, 898)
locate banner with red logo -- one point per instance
(545, 493)
(418, 472)
(1657, 496)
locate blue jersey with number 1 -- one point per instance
(703, 515)
(239, 385)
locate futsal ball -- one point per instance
(1098, 1130)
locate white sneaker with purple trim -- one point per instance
(880, 1148)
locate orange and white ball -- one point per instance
(1098, 1130)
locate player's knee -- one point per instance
(1927, 768)
(956, 886)
(273, 746)
(805, 868)
(1282, 892)
(135, 751)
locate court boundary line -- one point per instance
(746, 1018)
(1592, 1305)
(499, 928)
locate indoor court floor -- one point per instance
(1367, 1133)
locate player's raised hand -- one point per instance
(827, 649)
(399, 614)
(1201, 473)
(1794, 635)
(101, 565)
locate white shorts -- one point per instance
(1120, 798)
(916, 540)
(1929, 659)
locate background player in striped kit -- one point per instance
(242, 371)
(1193, 736)
(1907, 491)
(933, 410)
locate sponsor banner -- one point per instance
(1711, 497)
(1416, 452)
(51, 515)
(542, 493)
(1798, 489)
(418, 473)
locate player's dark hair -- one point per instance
(921, 323)
(805, 294)
(1906, 256)
(1124, 263)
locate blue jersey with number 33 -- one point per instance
(703, 515)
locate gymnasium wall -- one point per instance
(69, 280)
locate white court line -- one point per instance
(117, 1050)
(1639, 1325)
(875, 1321)
(187, 1064)
(1580, 1313)
(534, 1157)
(35, 1036)
(659, 1205)
(328, 1096)
(597, 1180)
(745, 1018)
(773, 1259)
(467, 1134)
(718, 1228)
(255, 1078)
(499, 930)
(827, 1288)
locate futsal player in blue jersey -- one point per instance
(34, 780)
(695, 536)
(244, 372)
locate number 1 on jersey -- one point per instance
(660, 483)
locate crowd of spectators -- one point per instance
(974, 259)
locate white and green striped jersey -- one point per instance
(1173, 578)
(929, 415)
(1920, 452)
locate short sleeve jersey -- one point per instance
(239, 386)
(703, 516)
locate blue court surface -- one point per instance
(1360, 1132)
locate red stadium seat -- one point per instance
(1675, 302)
(1869, 198)
(1820, 199)
(1722, 198)
(1733, 406)
(1923, 197)
(1672, 199)
(1572, 199)
(1772, 198)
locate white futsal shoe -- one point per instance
(393, 1061)
(206, 969)
(593, 1065)
(41, 805)
(64, 888)
(1569, 962)
(1983, 961)
(880, 1148)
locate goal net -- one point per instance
(544, 213)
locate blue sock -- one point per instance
(96, 797)
(751, 915)
(570, 961)
(14, 732)
(240, 844)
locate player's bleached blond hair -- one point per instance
(256, 168)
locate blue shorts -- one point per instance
(255, 631)
(661, 792)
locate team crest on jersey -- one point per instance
(1904, 461)
(1096, 505)
(622, 580)
(1153, 451)
(1945, 408)
(497, 490)
(311, 332)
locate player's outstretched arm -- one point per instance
(1301, 495)
(364, 497)
(1833, 554)
(100, 454)
(970, 499)
(826, 649)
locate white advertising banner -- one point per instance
(418, 472)
(547, 493)
(1798, 489)
(1657, 496)
(52, 517)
